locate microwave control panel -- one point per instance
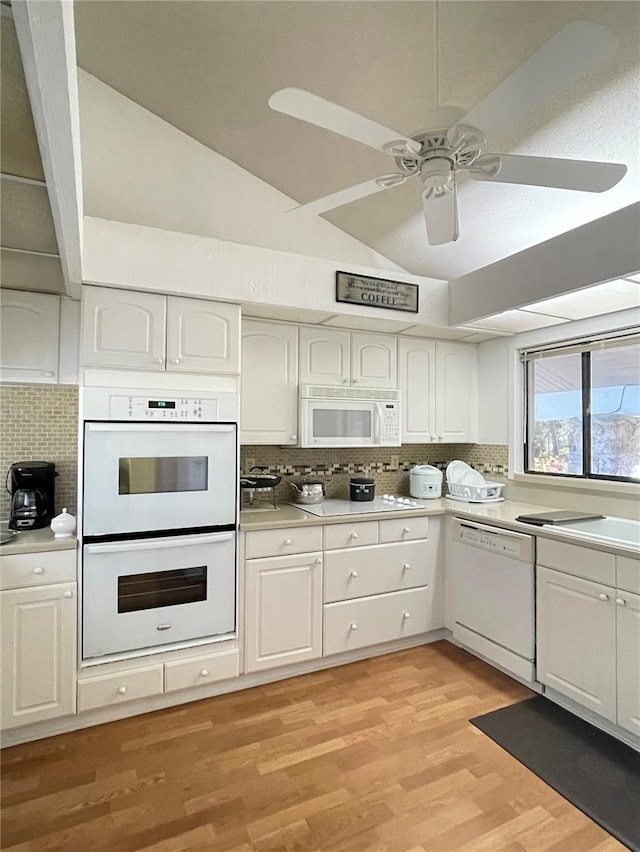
(174, 409)
(390, 423)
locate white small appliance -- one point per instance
(349, 417)
(425, 481)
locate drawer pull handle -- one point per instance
(353, 626)
(406, 531)
(354, 535)
(67, 594)
(406, 566)
(38, 570)
(354, 574)
(122, 690)
(204, 673)
(603, 597)
(288, 541)
(163, 627)
(621, 602)
(406, 615)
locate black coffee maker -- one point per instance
(32, 488)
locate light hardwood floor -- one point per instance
(378, 755)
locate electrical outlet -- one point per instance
(249, 463)
(395, 462)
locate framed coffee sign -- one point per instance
(376, 292)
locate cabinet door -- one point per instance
(123, 328)
(417, 383)
(374, 360)
(283, 610)
(628, 645)
(576, 640)
(325, 356)
(39, 654)
(29, 337)
(202, 336)
(269, 383)
(456, 392)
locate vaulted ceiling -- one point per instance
(209, 68)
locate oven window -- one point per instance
(159, 475)
(342, 423)
(162, 588)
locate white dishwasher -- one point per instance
(492, 595)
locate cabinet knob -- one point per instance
(406, 566)
(354, 574)
(355, 381)
(176, 360)
(621, 602)
(204, 672)
(441, 437)
(406, 530)
(354, 535)
(48, 374)
(406, 615)
(287, 541)
(67, 594)
(434, 437)
(294, 437)
(38, 570)
(353, 626)
(318, 561)
(345, 381)
(158, 360)
(603, 597)
(122, 690)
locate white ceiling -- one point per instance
(208, 68)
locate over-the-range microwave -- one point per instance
(349, 417)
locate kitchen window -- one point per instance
(583, 409)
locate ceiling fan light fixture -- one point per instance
(436, 173)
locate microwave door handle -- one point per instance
(378, 424)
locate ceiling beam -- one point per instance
(603, 250)
(45, 31)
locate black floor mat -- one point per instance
(595, 772)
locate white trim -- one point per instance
(597, 486)
(30, 251)
(18, 179)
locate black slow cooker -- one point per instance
(362, 488)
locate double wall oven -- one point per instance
(159, 513)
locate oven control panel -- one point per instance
(174, 409)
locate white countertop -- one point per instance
(37, 541)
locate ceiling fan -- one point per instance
(454, 143)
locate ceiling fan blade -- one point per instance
(573, 51)
(309, 107)
(584, 175)
(352, 193)
(441, 216)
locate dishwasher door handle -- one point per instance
(471, 525)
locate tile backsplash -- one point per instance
(339, 464)
(40, 423)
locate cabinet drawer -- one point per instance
(595, 565)
(368, 621)
(20, 570)
(110, 689)
(282, 542)
(404, 529)
(199, 671)
(628, 574)
(372, 570)
(338, 536)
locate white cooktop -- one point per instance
(349, 507)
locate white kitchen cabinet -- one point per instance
(628, 668)
(269, 394)
(38, 634)
(576, 640)
(334, 357)
(146, 331)
(29, 331)
(438, 382)
(283, 610)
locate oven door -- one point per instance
(153, 592)
(143, 477)
(339, 423)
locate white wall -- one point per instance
(493, 391)
(138, 168)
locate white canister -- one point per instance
(63, 525)
(425, 481)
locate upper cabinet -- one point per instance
(335, 357)
(269, 395)
(29, 337)
(438, 382)
(145, 331)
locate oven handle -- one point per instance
(155, 544)
(156, 427)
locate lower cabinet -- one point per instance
(628, 669)
(38, 636)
